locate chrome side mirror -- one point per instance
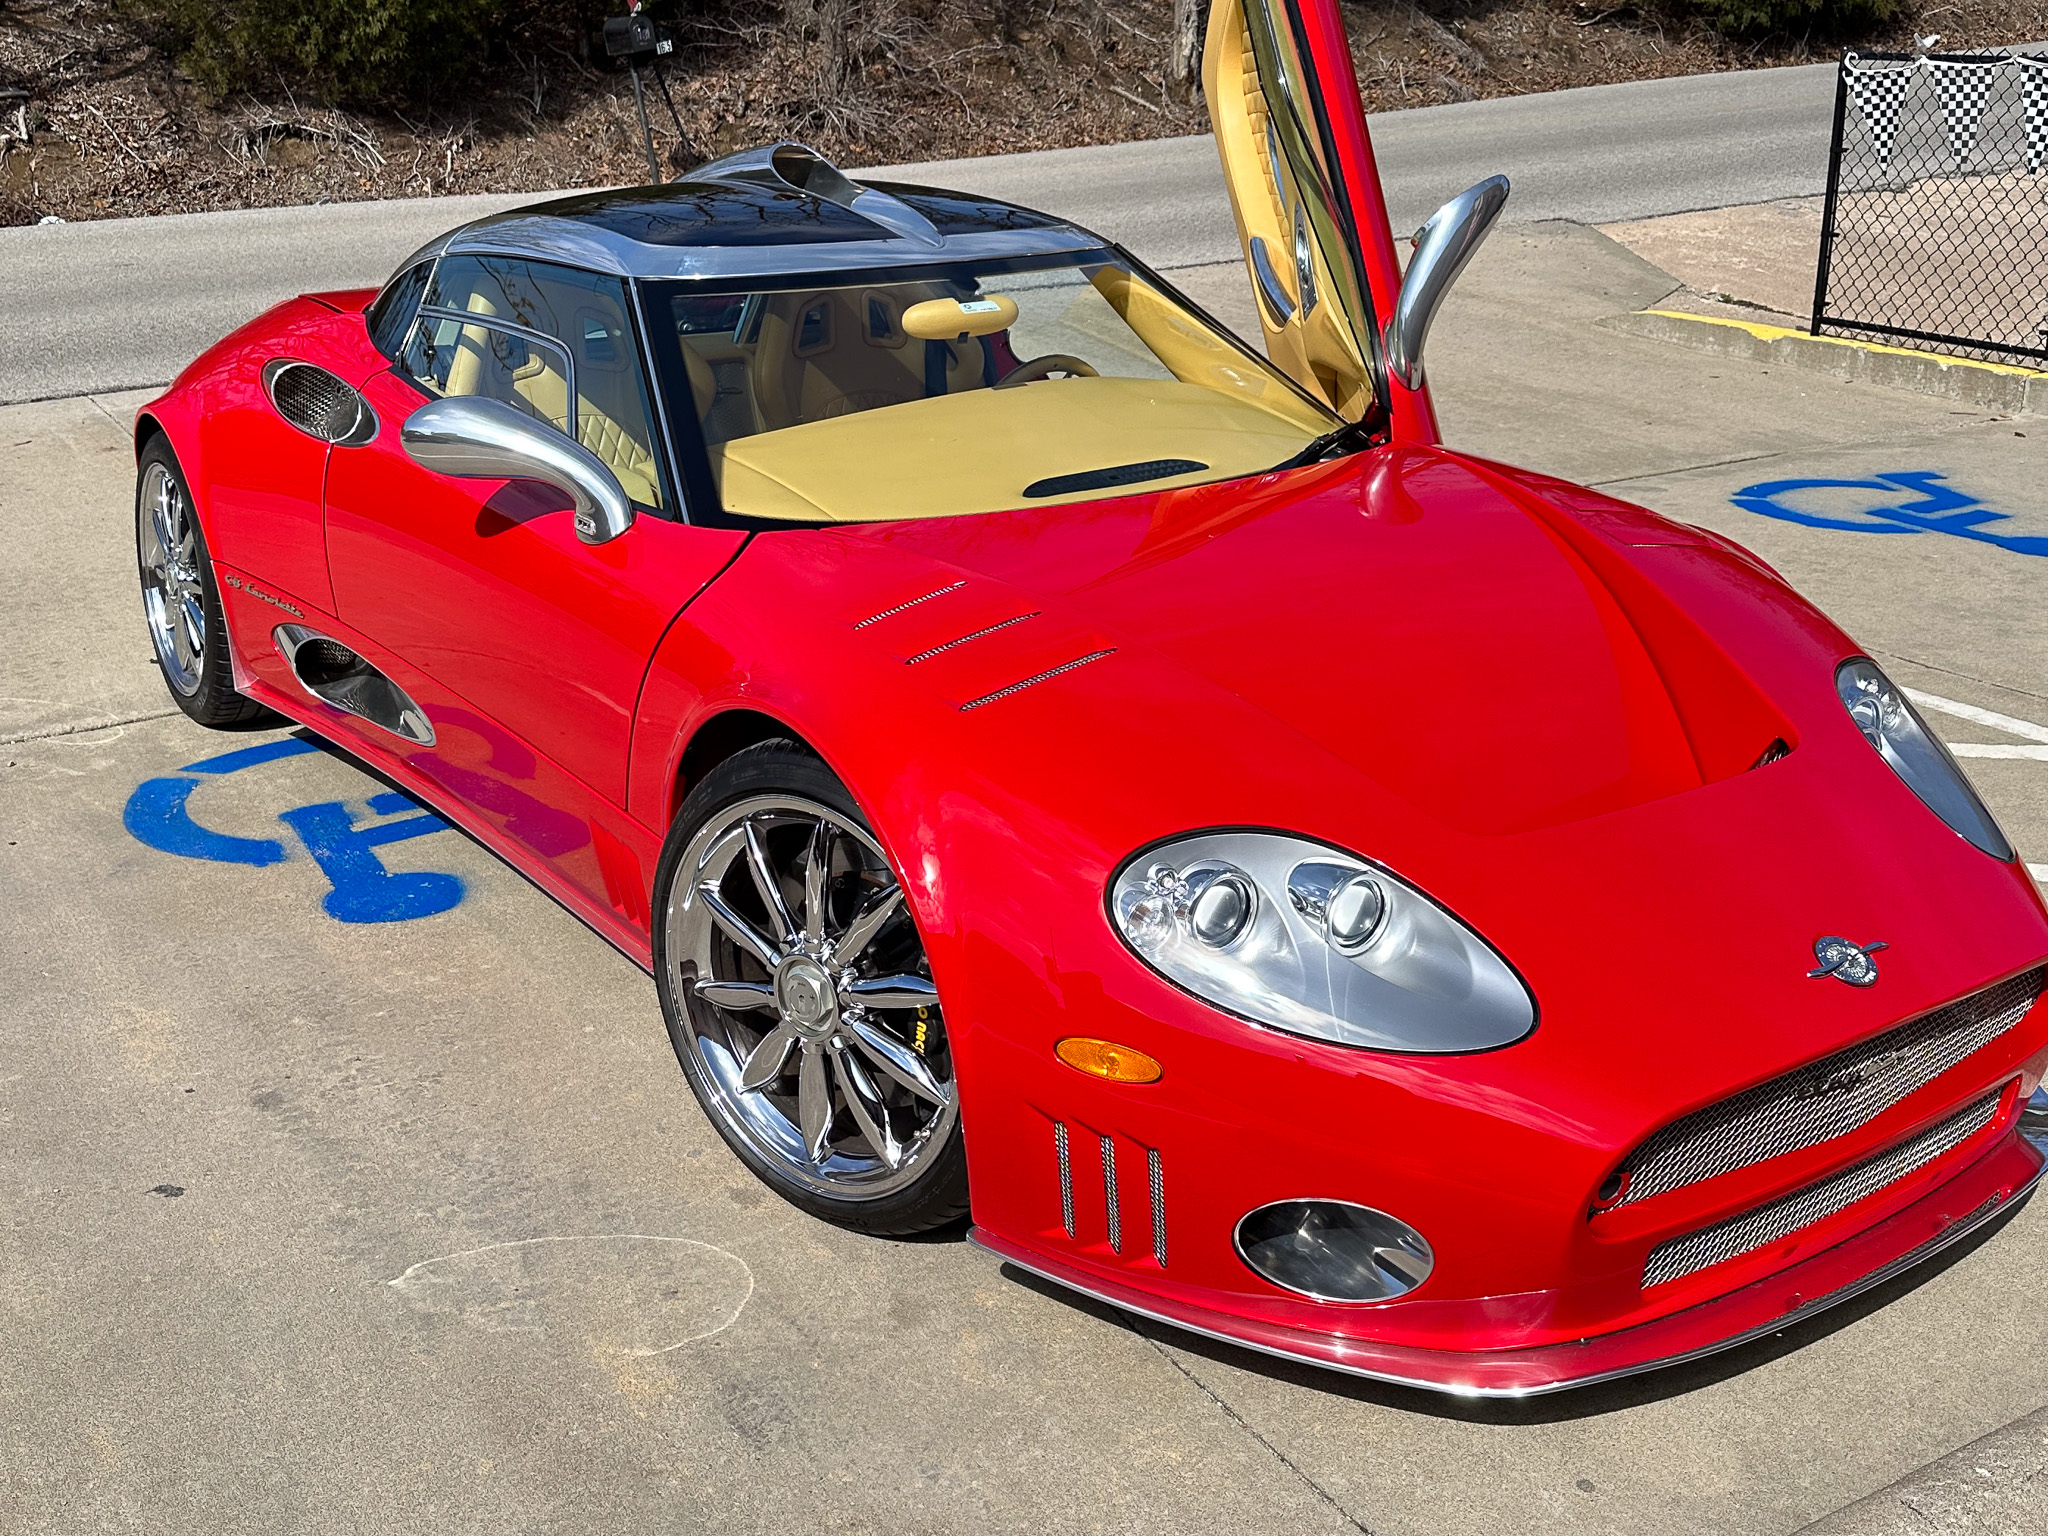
(1442, 247)
(477, 438)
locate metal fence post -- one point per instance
(1827, 218)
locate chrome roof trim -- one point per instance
(546, 237)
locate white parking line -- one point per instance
(1998, 749)
(2012, 725)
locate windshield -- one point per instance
(940, 392)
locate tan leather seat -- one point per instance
(827, 354)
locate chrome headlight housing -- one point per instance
(1889, 723)
(1303, 937)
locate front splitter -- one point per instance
(1944, 1215)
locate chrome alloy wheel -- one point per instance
(813, 1021)
(172, 599)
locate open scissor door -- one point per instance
(1290, 128)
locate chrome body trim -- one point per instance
(1392, 1230)
(546, 237)
(1279, 307)
(359, 689)
(362, 426)
(1443, 246)
(473, 437)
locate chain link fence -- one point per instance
(1936, 229)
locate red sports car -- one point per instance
(1310, 886)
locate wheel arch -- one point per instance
(147, 430)
(719, 736)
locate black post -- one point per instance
(646, 130)
(1827, 218)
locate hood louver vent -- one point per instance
(318, 403)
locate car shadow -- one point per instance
(1652, 1386)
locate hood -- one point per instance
(1499, 661)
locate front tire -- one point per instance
(799, 999)
(180, 602)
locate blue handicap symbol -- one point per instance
(1933, 507)
(158, 815)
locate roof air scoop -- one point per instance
(799, 168)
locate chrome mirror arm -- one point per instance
(478, 438)
(1442, 247)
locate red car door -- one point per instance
(525, 646)
(1290, 127)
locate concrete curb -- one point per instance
(1994, 1486)
(1998, 386)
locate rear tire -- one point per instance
(180, 601)
(814, 1040)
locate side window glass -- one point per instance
(553, 341)
(474, 357)
(392, 311)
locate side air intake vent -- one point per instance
(336, 675)
(318, 403)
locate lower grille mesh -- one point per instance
(1687, 1255)
(1829, 1097)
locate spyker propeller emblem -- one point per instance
(1845, 961)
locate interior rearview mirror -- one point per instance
(957, 319)
(477, 438)
(1442, 247)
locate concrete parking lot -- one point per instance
(318, 1225)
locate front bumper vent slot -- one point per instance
(1683, 1256)
(1112, 1194)
(1827, 1098)
(1109, 1199)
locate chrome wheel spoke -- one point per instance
(740, 996)
(899, 1061)
(867, 923)
(765, 1065)
(742, 932)
(767, 884)
(787, 1042)
(814, 1101)
(194, 618)
(864, 1100)
(893, 992)
(817, 869)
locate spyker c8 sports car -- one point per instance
(1062, 763)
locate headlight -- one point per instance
(1891, 724)
(1306, 938)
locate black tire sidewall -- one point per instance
(938, 1196)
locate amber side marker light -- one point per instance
(1107, 1059)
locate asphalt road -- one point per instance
(125, 303)
(317, 1226)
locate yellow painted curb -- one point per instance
(1781, 332)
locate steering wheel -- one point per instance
(1044, 368)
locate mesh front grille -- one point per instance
(1687, 1255)
(1827, 1098)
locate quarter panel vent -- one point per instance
(320, 404)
